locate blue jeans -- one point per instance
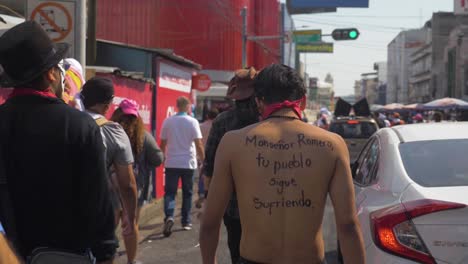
(170, 191)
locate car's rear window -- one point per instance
(354, 129)
(436, 163)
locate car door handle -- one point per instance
(352, 144)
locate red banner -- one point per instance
(139, 91)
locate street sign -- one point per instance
(63, 20)
(315, 48)
(307, 36)
(201, 82)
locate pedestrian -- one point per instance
(396, 121)
(181, 142)
(74, 81)
(53, 187)
(205, 128)
(418, 118)
(377, 118)
(146, 154)
(437, 117)
(282, 170)
(97, 95)
(243, 114)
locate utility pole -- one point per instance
(244, 36)
(282, 32)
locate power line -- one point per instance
(366, 16)
(381, 28)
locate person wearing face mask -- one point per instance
(243, 114)
(53, 185)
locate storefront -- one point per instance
(172, 77)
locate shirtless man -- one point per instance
(282, 169)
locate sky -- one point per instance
(378, 25)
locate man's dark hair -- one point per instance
(277, 83)
(437, 116)
(97, 90)
(212, 113)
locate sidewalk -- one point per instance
(152, 220)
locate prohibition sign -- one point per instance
(40, 13)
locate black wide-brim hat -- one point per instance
(26, 52)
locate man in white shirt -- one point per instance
(181, 142)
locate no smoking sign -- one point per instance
(57, 18)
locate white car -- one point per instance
(411, 185)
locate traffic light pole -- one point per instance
(246, 37)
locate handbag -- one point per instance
(59, 256)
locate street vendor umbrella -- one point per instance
(446, 103)
(394, 106)
(376, 107)
(413, 106)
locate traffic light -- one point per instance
(345, 34)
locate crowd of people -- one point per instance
(68, 178)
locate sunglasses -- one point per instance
(64, 65)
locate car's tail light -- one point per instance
(394, 231)
(353, 122)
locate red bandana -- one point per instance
(295, 105)
(29, 91)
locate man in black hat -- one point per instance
(97, 95)
(244, 113)
(51, 155)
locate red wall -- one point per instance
(205, 31)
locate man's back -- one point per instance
(58, 188)
(180, 131)
(282, 172)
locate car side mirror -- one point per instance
(354, 167)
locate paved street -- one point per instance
(183, 248)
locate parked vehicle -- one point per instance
(411, 185)
(355, 129)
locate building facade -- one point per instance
(399, 52)
(442, 24)
(420, 79)
(206, 31)
(382, 74)
(456, 59)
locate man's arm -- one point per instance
(128, 190)
(7, 254)
(342, 196)
(163, 146)
(200, 149)
(212, 142)
(220, 194)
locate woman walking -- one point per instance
(147, 156)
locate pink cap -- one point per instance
(129, 107)
(418, 117)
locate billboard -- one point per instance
(320, 6)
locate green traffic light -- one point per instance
(353, 34)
